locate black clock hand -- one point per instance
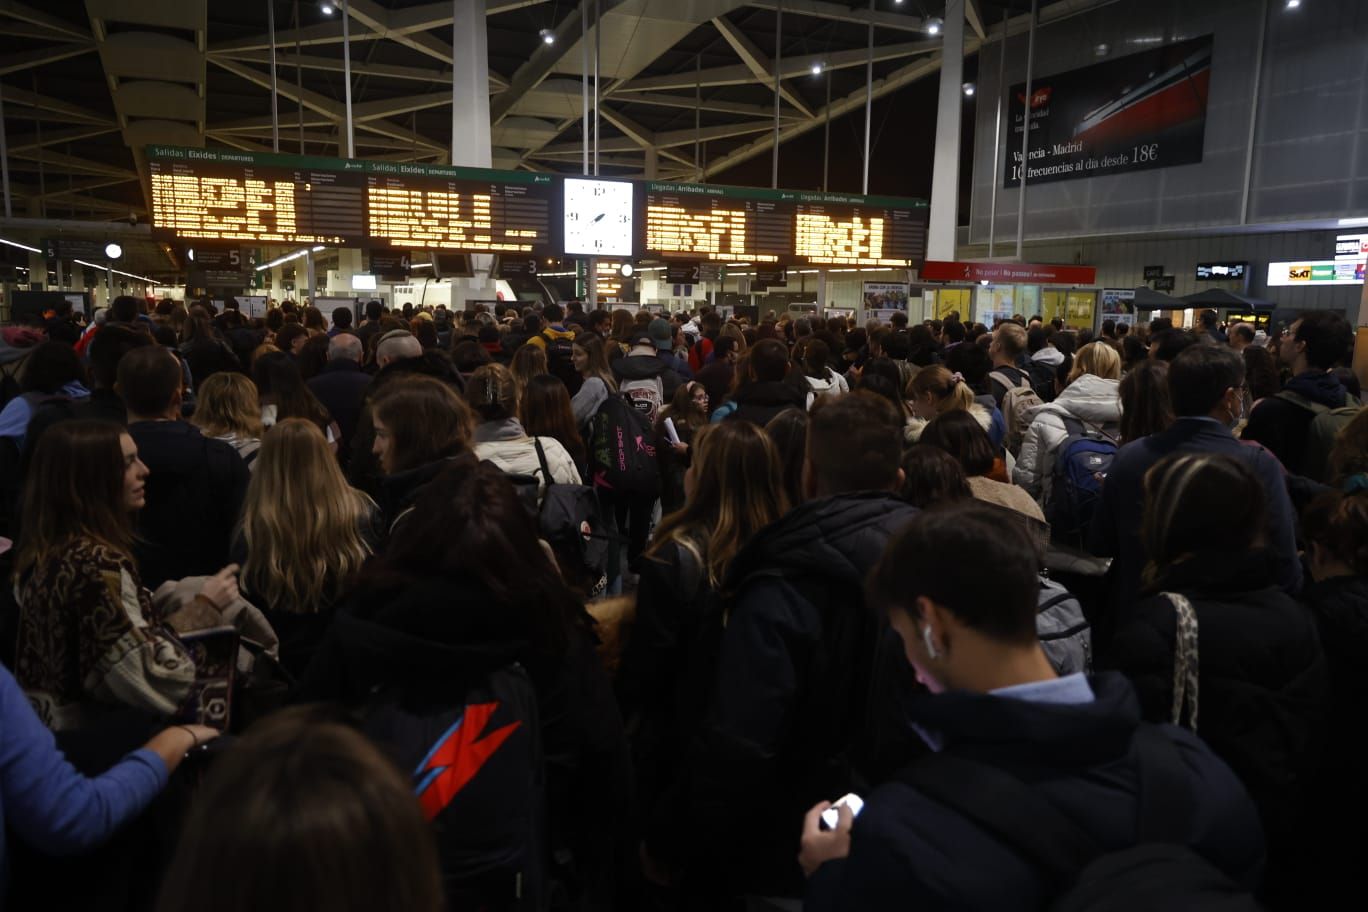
(599, 217)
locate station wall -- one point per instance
(1309, 113)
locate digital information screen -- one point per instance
(265, 197)
(703, 222)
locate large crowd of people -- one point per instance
(541, 608)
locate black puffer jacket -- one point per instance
(790, 722)
(1340, 606)
(909, 851)
(1262, 677)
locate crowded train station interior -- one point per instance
(643, 456)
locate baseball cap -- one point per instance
(661, 334)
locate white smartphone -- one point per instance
(831, 817)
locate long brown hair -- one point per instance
(598, 366)
(737, 491)
(75, 489)
(426, 418)
(301, 521)
(682, 407)
(528, 361)
(1199, 505)
(228, 404)
(545, 412)
(304, 813)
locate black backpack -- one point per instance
(478, 769)
(1159, 872)
(1042, 377)
(570, 520)
(622, 450)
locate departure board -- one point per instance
(206, 194)
(704, 222)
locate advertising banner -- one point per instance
(1316, 272)
(885, 296)
(1028, 273)
(1116, 301)
(1137, 112)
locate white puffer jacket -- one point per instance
(507, 445)
(1090, 399)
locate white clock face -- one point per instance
(598, 217)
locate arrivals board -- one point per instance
(208, 194)
(793, 227)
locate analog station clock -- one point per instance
(598, 217)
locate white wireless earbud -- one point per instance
(930, 643)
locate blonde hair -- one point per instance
(1097, 358)
(265, 348)
(228, 404)
(301, 521)
(528, 361)
(950, 391)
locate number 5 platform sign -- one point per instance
(1137, 112)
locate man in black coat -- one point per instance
(1069, 744)
(789, 719)
(1311, 347)
(342, 385)
(195, 486)
(1206, 385)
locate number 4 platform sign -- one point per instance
(1137, 112)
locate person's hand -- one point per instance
(221, 589)
(680, 448)
(820, 846)
(172, 744)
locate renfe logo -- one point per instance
(1039, 97)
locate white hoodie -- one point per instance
(833, 384)
(1049, 355)
(1090, 399)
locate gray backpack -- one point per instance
(1064, 632)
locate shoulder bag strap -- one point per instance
(541, 458)
(1185, 660)
(1009, 809)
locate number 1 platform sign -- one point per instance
(1137, 112)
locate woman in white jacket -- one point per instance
(499, 437)
(1092, 396)
(821, 379)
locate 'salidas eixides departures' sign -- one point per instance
(1137, 112)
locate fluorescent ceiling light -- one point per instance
(116, 271)
(289, 256)
(36, 250)
(1343, 223)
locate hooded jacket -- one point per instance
(832, 384)
(909, 851)
(644, 367)
(760, 401)
(431, 638)
(507, 445)
(1283, 426)
(791, 721)
(1090, 399)
(1263, 682)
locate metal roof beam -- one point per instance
(43, 20)
(974, 18)
(546, 58)
(841, 13)
(760, 66)
(42, 56)
(687, 102)
(32, 141)
(45, 105)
